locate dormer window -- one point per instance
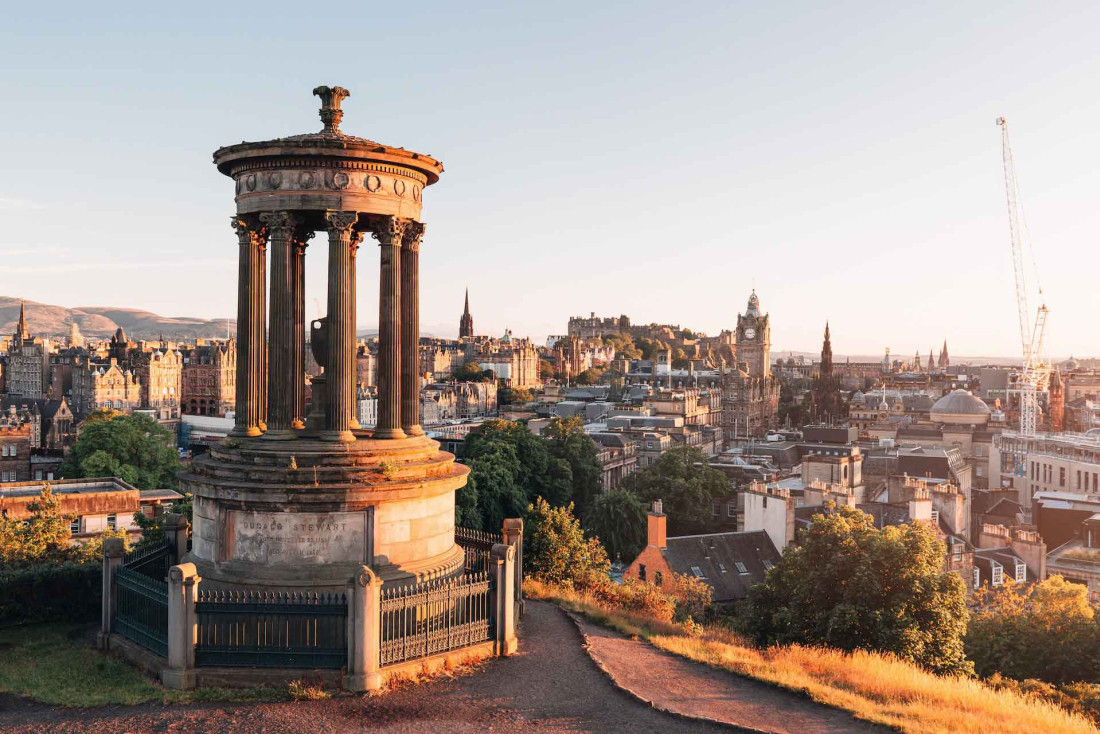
(998, 574)
(740, 567)
(1021, 571)
(697, 572)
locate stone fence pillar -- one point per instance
(175, 529)
(513, 536)
(364, 632)
(183, 587)
(504, 604)
(114, 551)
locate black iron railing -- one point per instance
(271, 629)
(152, 560)
(142, 611)
(434, 617)
(478, 547)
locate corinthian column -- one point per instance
(250, 327)
(297, 344)
(280, 380)
(410, 329)
(343, 241)
(388, 232)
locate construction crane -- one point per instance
(1035, 376)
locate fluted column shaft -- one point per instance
(280, 380)
(251, 335)
(297, 345)
(410, 330)
(388, 232)
(343, 241)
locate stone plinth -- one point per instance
(307, 514)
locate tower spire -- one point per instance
(21, 331)
(466, 323)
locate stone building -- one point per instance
(593, 327)
(26, 374)
(107, 386)
(439, 358)
(514, 361)
(51, 420)
(15, 446)
(208, 379)
(750, 392)
(160, 377)
(466, 322)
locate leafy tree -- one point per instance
(509, 468)
(791, 410)
(555, 549)
(546, 370)
(688, 334)
(45, 538)
(852, 586)
(686, 485)
(618, 519)
(1047, 631)
(590, 376)
(569, 443)
(516, 395)
(134, 448)
(624, 346)
(472, 372)
(680, 359)
(650, 347)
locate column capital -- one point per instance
(341, 222)
(414, 232)
(279, 220)
(388, 230)
(301, 240)
(249, 232)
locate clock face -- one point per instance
(750, 333)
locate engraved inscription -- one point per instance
(298, 538)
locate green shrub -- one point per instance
(51, 591)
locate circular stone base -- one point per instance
(305, 513)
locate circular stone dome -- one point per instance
(959, 406)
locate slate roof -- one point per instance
(716, 555)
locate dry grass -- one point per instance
(302, 691)
(873, 687)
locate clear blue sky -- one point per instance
(653, 159)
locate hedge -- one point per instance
(54, 591)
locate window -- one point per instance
(998, 574)
(740, 567)
(1021, 571)
(1061, 476)
(767, 565)
(935, 516)
(112, 521)
(641, 572)
(4, 450)
(977, 578)
(14, 449)
(980, 470)
(74, 526)
(731, 509)
(697, 572)
(658, 578)
(715, 509)
(722, 567)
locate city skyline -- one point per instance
(848, 170)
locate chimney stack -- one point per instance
(657, 533)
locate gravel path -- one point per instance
(551, 685)
(682, 687)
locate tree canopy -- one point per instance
(686, 485)
(852, 586)
(555, 549)
(618, 519)
(569, 443)
(45, 536)
(472, 372)
(134, 448)
(1047, 631)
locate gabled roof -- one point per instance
(717, 556)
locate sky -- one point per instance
(655, 159)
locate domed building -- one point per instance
(960, 407)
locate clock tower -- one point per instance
(754, 339)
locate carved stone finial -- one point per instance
(331, 114)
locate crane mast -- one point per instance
(1035, 373)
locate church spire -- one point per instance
(466, 323)
(21, 332)
(827, 353)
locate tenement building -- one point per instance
(750, 393)
(208, 378)
(26, 374)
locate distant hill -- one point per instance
(102, 321)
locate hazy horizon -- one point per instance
(648, 160)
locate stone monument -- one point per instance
(293, 501)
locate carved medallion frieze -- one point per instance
(306, 179)
(399, 187)
(275, 179)
(340, 180)
(250, 182)
(372, 183)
